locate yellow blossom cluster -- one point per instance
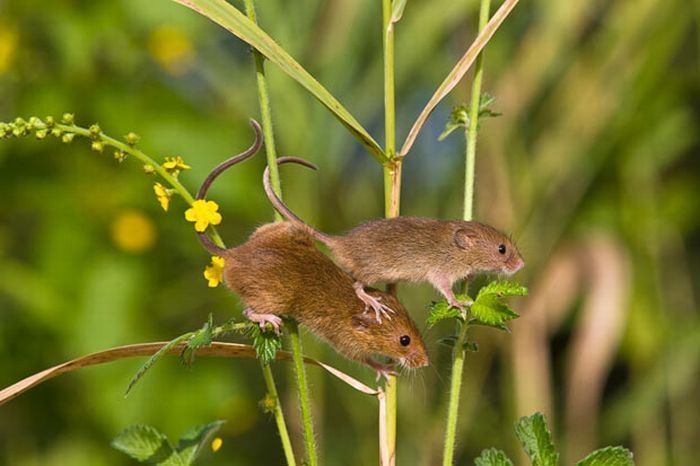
(175, 164)
(163, 194)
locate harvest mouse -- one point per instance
(412, 249)
(279, 271)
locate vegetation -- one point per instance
(589, 165)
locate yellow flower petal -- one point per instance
(214, 272)
(203, 213)
(216, 444)
(163, 195)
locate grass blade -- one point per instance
(458, 72)
(242, 27)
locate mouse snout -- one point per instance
(513, 264)
(417, 358)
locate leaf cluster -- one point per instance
(148, 445)
(459, 117)
(534, 435)
(487, 309)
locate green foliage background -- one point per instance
(593, 166)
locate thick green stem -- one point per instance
(293, 329)
(392, 198)
(459, 351)
(304, 402)
(279, 415)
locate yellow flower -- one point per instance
(203, 213)
(8, 45)
(214, 272)
(132, 231)
(216, 444)
(172, 49)
(175, 164)
(163, 194)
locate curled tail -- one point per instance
(283, 209)
(218, 170)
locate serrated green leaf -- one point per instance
(441, 310)
(231, 19)
(201, 338)
(537, 440)
(502, 288)
(147, 445)
(608, 456)
(502, 327)
(493, 457)
(490, 310)
(153, 359)
(266, 344)
(190, 444)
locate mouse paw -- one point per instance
(382, 370)
(372, 302)
(263, 319)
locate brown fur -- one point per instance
(279, 271)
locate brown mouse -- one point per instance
(412, 249)
(279, 271)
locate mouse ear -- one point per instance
(465, 238)
(363, 320)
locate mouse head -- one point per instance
(487, 249)
(397, 338)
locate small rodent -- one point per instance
(278, 271)
(412, 249)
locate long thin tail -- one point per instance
(218, 170)
(283, 209)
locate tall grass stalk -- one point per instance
(392, 197)
(459, 351)
(292, 328)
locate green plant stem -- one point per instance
(473, 128)
(304, 402)
(279, 415)
(292, 328)
(265, 113)
(392, 196)
(458, 352)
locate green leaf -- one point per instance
(502, 288)
(459, 118)
(153, 359)
(397, 11)
(147, 445)
(230, 18)
(471, 346)
(491, 311)
(441, 310)
(536, 440)
(455, 76)
(608, 456)
(199, 339)
(192, 441)
(266, 343)
(493, 457)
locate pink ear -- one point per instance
(465, 239)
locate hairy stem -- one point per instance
(279, 415)
(458, 352)
(392, 198)
(304, 402)
(265, 112)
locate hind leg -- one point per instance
(444, 286)
(370, 301)
(262, 319)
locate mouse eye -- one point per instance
(405, 340)
(502, 248)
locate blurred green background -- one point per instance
(593, 167)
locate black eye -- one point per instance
(405, 340)
(502, 248)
